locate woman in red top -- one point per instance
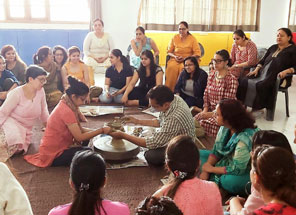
(273, 174)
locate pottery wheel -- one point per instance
(115, 149)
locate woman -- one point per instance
(14, 63)
(96, 47)
(273, 174)
(60, 56)
(221, 84)
(139, 44)
(7, 80)
(243, 54)
(181, 46)
(150, 75)
(117, 78)
(64, 135)
(192, 83)
(75, 67)
(241, 206)
(44, 59)
(19, 112)
(88, 176)
(13, 199)
(192, 195)
(228, 163)
(257, 89)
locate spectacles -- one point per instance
(58, 55)
(217, 61)
(42, 80)
(187, 65)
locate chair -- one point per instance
(129, 48)
(270, 112)
(202, 53)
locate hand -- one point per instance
(117, 134)
(107, 130)
(283, 74)
(207, 167)
(100, 59)
(254, 73)
(204, 175)
(130, 119)
(87, 100)
(179, 59)
(108, 94)
(239, 199)
(115, 93)
(203, 115)
(124, 99)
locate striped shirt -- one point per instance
(177, 120)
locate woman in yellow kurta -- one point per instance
(181, 46)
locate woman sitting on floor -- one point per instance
(191, 194)
(241, 206)
(64, 135)
(14, 63)
(7, 80)
(44, 58)
(257, 90)
(118, 77)
(192, 83)
(88, 176)
(150, 75)
(140, 44)
(273, 174)
(221, 84)
(243, 54)
(228, 163)
(19, 112)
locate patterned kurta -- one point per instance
(177, 120)
(249, 54)
(216, 90)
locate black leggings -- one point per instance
(66, 157)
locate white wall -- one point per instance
(274, 15)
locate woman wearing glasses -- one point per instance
(181, 46)
(192, 83)
(221, 84)
(19, 112)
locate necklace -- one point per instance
(219, 77)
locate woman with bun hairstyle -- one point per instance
(273, 175)
(192, 195)
(64, 135)
(87, 179)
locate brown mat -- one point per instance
(48, 187)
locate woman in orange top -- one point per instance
(75, 67)
(181, 46)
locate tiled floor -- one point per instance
(281, 123)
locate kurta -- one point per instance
(198, 197)
(57, 136)
(185, 48)
(79, 75)
(215, 91)
(259, 92)
(249, 54)
(135, 60)
(18, 115)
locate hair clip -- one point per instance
(83, 187)
(179, 174)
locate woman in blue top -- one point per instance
(7, 80)
(117, 78)
(139, 44)
(228, 164)
(192, 83)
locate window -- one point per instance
(207, 15)
(292, 15)
(44, 11)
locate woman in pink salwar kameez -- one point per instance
(23, 106)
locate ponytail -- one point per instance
(41, 54)
(123, 59)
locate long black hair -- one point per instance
(153, 66)
(87, 173)
(196, 70)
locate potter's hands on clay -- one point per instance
(107, 130)
(117, 134)
(130, 119)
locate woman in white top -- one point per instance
(96, 47)
(13, 198)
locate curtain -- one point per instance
(202, 15)
(292, 15)
(95, 7)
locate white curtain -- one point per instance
(292, 15)
(95, 7)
